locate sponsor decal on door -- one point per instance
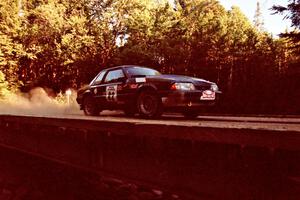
(111, 93)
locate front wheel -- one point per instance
(89, 106)
(149, 104)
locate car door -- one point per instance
(111, 86)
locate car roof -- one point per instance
(124, 66)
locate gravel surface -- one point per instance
(256, 123)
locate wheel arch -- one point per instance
(83, 96)
(86, 93)
(93, 108)
(147, 87)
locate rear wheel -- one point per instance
(90, 107)
(149, 104)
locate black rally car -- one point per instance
(136, 89)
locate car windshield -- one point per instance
(140, 72)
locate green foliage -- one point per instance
(258, 18)
(292, 12)
(11, 50)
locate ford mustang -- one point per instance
(145, 91)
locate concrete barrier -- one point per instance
(201, 162)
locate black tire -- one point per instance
(89, 106)
(149, 104)
(190, 114)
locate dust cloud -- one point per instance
(38, 102)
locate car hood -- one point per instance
(83, 89)
(180, 78)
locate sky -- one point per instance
(274, 24)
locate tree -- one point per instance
(258, 18)
(11, 48)
(64, 43)
(3, 86)
(292, 12)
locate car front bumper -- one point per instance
(187, 99)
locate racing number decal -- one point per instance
(111, 93)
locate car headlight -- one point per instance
(183, 86)
(214, 87)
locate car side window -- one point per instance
(114, 76)
(99, 78)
